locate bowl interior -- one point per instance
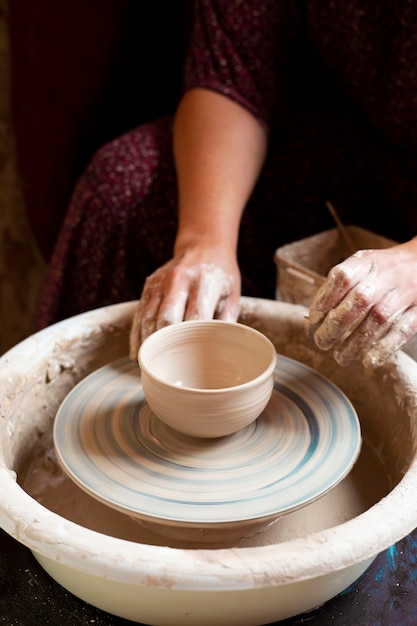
(207, 355)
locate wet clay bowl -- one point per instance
(106, 559)
(207, 378)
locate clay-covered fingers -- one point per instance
(228, 308)
(198, 292)
(375, 325)
(152, 314)
(401, 330)
(341, 279)
(134, 341)
(173, 292)
(367, 307)
(176, 292)
(140, 328)
(163, 301)
(213, 294)
(348, 312)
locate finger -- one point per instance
(347, 315)
(177, 287)
(341, 279)
(227, 310)
(134, 337)
(149, 315)
(228, 307)
(375, 325)
(397, 336)
(172, 308)
(204, 295)
(202, 303)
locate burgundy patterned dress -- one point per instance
(335, 83)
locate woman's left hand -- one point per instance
(367, 307)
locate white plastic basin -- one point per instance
(115, 564)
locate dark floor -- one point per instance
(386, 595)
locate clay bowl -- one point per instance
(207, 378)
(111, 562)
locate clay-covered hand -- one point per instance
(196, 285)
(367, 307)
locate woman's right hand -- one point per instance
(219, 149)
(197, 284)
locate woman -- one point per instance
(286, 105)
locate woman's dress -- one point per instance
(335, 83)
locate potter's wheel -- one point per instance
(308, 557)
(112, 446)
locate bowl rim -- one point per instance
(267, 373)
(44, 532)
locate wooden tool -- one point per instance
(342, 228)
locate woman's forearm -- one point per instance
(219, 150)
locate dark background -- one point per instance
(82, 73)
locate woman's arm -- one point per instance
(219, 149)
